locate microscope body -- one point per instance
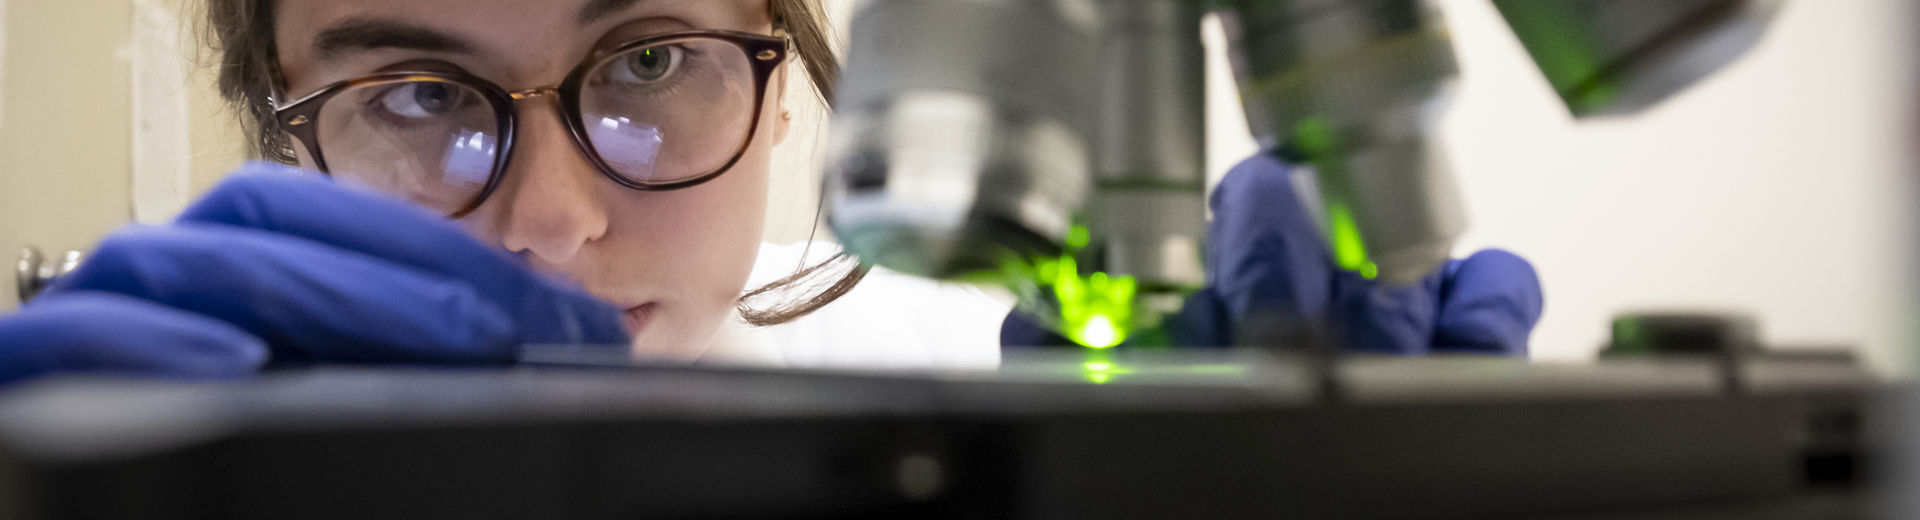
(1060, 144)
(1056, 146)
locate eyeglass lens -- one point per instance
(658, 114)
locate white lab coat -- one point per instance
(889, 321)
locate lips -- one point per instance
(637, 317)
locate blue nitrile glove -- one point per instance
(274, 261)
(1266, 261)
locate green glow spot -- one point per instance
(1092, 309)
(1099, 369)
(1317, 138)
(1078, 237)
(1095, 309)
(1348, 251)
(1099, 332)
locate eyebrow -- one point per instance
(598, 8)
(361, 34)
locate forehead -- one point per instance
(505, 35)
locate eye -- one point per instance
(422, 99)
(648, 65)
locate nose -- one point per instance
(550, 208)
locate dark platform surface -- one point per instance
(1187, 435)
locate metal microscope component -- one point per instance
(960, 133)
(1148, 213)
(1609, 57)
(1055, 146)
(1348, 87)
(32, 273)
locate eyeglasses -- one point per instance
(659, 113)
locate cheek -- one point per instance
(699, 244)
(691, 250)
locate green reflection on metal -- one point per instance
(1629, 339)
(1092, 309)
(1099, 368)
(1317, 138)
(1560, 37)
(1348, 250)
(1218, 369)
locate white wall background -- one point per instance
(1778, 187)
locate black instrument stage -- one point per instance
(1199, 434)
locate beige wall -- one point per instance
(67, 113)
(64, 126)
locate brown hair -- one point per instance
(241, 34)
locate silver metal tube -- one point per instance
(1148, 214)
(960, 133)
(1345, 86)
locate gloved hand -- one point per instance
(1267, 263)
(278, 266)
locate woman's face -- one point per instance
(677, 260)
